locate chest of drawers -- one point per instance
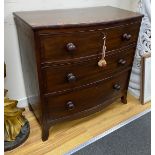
(60, 50)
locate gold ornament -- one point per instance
(13, 119)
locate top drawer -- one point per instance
(73, 44)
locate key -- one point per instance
(102, 62)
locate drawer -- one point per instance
(66, 46)
(86, 99)
(121, 36)
(65, 77)
(78, 44)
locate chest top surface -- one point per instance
(78, 16)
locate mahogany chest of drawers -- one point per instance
(60, 51)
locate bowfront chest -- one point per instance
(76, 61)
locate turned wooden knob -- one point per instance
(116, 86)
(71, 77)
(122, 62)
(71, 47)
(126, 36)
(70, 105)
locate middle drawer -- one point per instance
(58, 78)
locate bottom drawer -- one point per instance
(72, 103)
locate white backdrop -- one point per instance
(143, 46)
(14, 80)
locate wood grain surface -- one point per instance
(68, 37)
(66, 136)
(84, 16)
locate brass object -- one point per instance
(102, 62)
(13, 119)
(16, 126)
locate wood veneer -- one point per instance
(59, 54)
(69, 135)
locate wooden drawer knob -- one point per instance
(71, 77)
(71, 47)
(70, 105)
(126, 36)
(116, 86)
(122, 62)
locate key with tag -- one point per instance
(102, 62)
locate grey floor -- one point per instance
(132, 139)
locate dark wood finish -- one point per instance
(29, 66)
(56, 77)
(60, 50)
(84, 43)
(88, 98)
(75, 17)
